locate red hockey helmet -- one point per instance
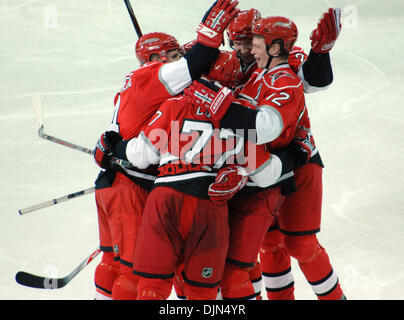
(155, 43)
(226, 68)
(273, 28)
(241, 26)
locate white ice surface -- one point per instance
(77, 63)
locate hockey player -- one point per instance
(121, 193)
(300, 215)
(179, 223)
(251, 217)
(316, 73)
(299, 229)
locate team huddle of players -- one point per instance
(226, 183)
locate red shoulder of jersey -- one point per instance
(282, 77)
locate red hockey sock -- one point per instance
(256, 279)
(105, 275)
(236, 283)
(276, 268)
(154, 289)
(125, 286)
(315, 265)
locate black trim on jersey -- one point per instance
(199, 59)
(289, 157)
(317, 159)
(197, 187)
(317, 69)
(240, 117)
(106, 249)
(152, 275)
(106, 178)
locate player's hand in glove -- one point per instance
(303, 143)
(104, 148)
(210, 95)
(328, 29)
(215, 21)
(228, 182)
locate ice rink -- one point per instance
(75, 54)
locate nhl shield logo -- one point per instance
(207, 272)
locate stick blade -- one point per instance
(38, 282)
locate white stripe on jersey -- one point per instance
(175, 76)
(283, 177)
(268, 173)
(141, 153)
(269, 124)
(186, 176)
(138, 174)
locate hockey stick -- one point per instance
(133, 18)
(38, 111)
(39, 282)
(55, 201)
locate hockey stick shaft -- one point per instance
(55, 201)
(40, 282)
(41, 134)
(38, 111)
(133, 18)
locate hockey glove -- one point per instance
(215, 21)
(303, 142)
(104, 148)
(328, 29)
(228, 182)
(210, 95)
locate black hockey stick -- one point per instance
(39, 282)
(56, 201)
(133, 18)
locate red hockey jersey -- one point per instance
(190, 149)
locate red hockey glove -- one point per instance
(210, 95)
(187, 46)
(228, 182)
(215, 21)
(328, 29)
(103, 150)
(304, 143)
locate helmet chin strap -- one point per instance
(270, 59)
